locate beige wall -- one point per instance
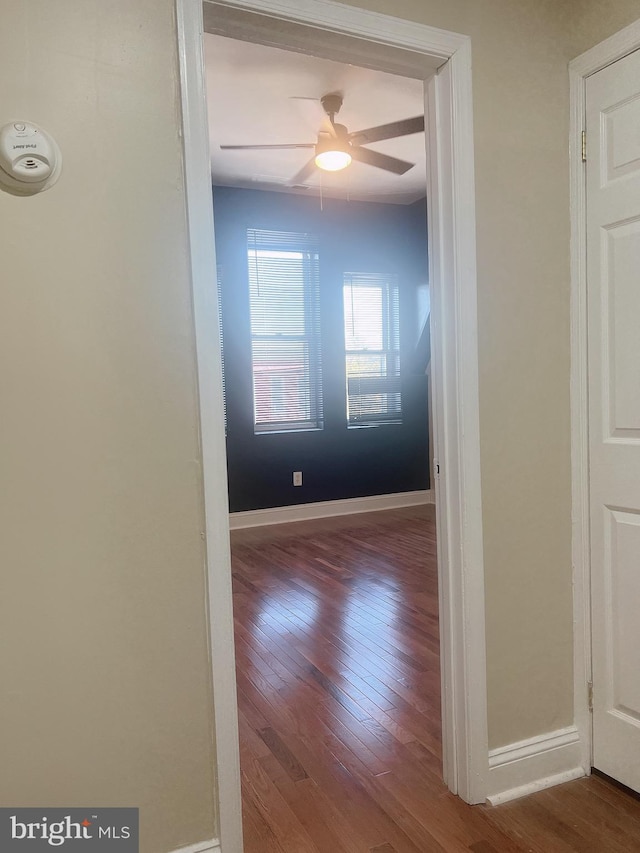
(595, 20)
(105, 691)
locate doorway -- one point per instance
(336, 619)
(388, 44)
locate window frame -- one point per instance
(306, 245)
(390, 352)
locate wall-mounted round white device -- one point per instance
(30, 160)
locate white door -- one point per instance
(613, 277)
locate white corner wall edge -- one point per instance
(219, 608)
(327, 509)
(212, 846)
(522, 768)
(593, 60)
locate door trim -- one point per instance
(227, 805)
(612, 49)
(451, 207)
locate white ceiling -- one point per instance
(264, 95)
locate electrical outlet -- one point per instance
(297, 478)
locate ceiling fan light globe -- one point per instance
(333, 160)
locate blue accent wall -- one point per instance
(336, 462)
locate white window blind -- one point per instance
(284, 290)
(372, 349)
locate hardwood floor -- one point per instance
(338, 686)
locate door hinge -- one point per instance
(584, 146)
(590, 694)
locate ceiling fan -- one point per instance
(335, 147)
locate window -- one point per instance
(284, 293)
(372, 349)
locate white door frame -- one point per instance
(452, 260)
(588, 63)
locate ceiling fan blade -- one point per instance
(388, 131)
(380, 161)
(307, 170)
(267, 147)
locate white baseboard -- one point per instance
(531, 765)
(326, 509)
(212, 846)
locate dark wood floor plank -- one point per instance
(339, 700)
(283, 754)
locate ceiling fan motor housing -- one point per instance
(331, 103)
(337, 142)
